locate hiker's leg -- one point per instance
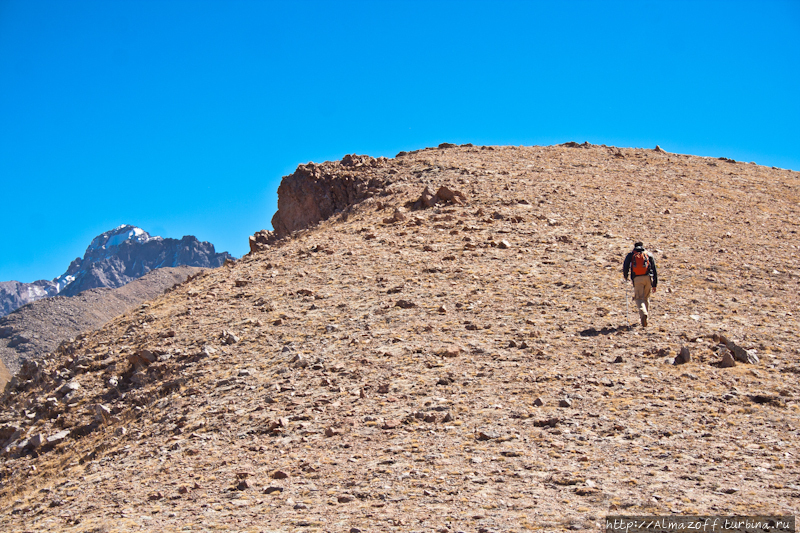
(638, 294)
(641, 290)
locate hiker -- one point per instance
(642, 266)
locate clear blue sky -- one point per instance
(181, 117)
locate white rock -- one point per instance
(69, 387)
(58, 437)
(37, 441)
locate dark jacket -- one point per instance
(653, 273)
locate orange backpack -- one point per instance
(640, 264)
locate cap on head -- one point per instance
(638, 245)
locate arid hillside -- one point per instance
(38, 327)
(440, 342)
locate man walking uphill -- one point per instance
(642, 266)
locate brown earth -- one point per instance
(5, 374)
(468, 366)
(37, 328)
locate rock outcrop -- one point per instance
(315, 192)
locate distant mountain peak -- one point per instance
(112, 259)
(118, 235)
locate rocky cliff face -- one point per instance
(451, 354)
(113, 259)
(315, 192)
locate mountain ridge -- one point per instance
(450, 352)
(112, 259)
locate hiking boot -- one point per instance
(644, 321)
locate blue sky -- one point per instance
(181, 117)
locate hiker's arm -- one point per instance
(655, 272)
(626, 265)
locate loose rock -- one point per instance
(727, 360)
(683, 357)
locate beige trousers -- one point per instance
(641, 295)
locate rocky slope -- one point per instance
(5, 375)
(113, 259)
(36, 329)
(14, 294)
(450, 353)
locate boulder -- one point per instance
(102, 413)
(142, 357)
(57, 437)
(449, 350)
(744, 356)
(683, 357)
(727, 360)
(739, 354)
(487, 435)
(69, 387)
(448, 195)
(427, 199)
(9, 432)
(228, 337)
(398, 216)
(261, 240)
(391, 423)
(37, 441)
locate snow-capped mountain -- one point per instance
(113, 259)
(102, 247)
(118, 235)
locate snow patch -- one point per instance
(34, 292)
(119, 235)
(62, 281)
(135, 234)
